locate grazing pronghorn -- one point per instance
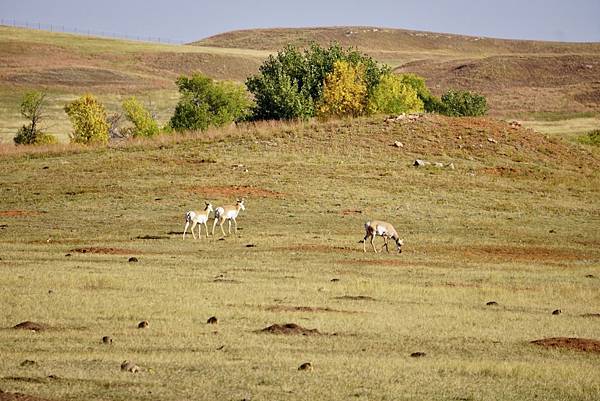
(229, 213)
(383, 229)
(199, 218)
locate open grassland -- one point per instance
(516, 222)
(521, 79)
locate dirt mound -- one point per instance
(290, 329)
(19, 397)
(27, 325)
(580, 344)
(109, 251)
(234, 191)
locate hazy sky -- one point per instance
(189, 20)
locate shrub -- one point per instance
(394, 96)
(463, 103)
(344, 91)
(290, 84)
(431, 103)
(140, 117)
(591, 138)
(205, 103)
(32, 107)
(88, 117)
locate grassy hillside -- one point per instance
(521, 79)
(67, 66)
(517, 76)
(515, 222)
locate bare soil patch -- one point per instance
(28, 325)
(356, 297)
(290, 329)
(19, 397)
(101, 250)
(580, 344)
(235, 191)
(18, 213)
(313, 309)
(524, 253)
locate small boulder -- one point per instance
(133, 259)
(398, 144)
(556, 312)
(143, 324)
(107, 340)
(421, 163)
(418, 354)
(492, 303)
(212, 320)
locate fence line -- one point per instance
(87, 32)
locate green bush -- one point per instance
(431, 103)
(205, 103)
(88, 117)
(463, 103)
(394, 96)
(32, 107)
(290, 84)
(140, 117)
(591, 138)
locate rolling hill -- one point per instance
(520, 78)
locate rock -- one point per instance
(28, 362)
(418, 354)
(439, 165)
(212, 320)
(128, 366)
(492, 140)
(143, 324)
(556, 312)
(306, 366)
(450, 166)
(421, 163)
(398, 144)
(492, 303)
(133, 259)
(107, 340)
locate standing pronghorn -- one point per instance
(383, 229)
(199, 218)
(228, 212)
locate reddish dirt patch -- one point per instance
(18, 213)
(109, 251)
(283, 308)
(580, 344)
(19, 397)
(27, 325)
(290, 329)
(349, 212)
(235, 191)
(382, 262)
(315, 248)
(356, 297)
(527, 253)
(507, 172)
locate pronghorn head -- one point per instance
(240, 204)
(208, 207)
(399, 244)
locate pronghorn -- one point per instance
(228, 213)
(199, 218)
(384, 229)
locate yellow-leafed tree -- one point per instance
(392, 95)
(88, 117)
(344, 91)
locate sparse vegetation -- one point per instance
(89, 120)
(205, 103)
